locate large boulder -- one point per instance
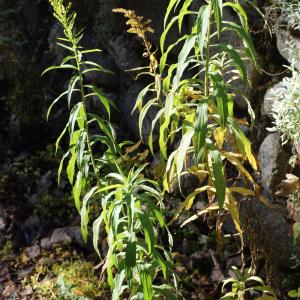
(288, 46)
(273, 162)
(269, 99)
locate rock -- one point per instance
(65, 235)
(269, 231)
(269, 99)
(32, 252)
(273, 162)
(127, 52)
(288, 46)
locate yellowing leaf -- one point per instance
(220, 135)
(235, 161)
(231, 206)
(209, 208)
(132, 148)
(143, 155)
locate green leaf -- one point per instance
(172, 4)
(54, 102)
(164, 34)
(96, 229)
(146, 280)
(148, 230)
(103, 99)
(182, 150)
(202, 25)
(200, 128)
(240, 12)
(182, 59)
(142, 115)
(217, 7)
(60, 137)
(71, 88)
(84, 213)
(72, 161)
(118, 283)
(184, 11)
(220, 183)
(77, 190)
(130, 255)
(61, 165)
(236, 58)
(221, 96)
(163, 59)
(249, 48)
(59, 67)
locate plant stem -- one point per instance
(88, 140)
(207, 58)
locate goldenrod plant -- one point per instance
(128, 204)
(198, 109)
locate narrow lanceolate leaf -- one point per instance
(249, 48)
(164, 34)
(148, 230)
(96, 232)
(244, 145)
(240, 12)
(221, 96)
(107, 103)
(143, 114)
(231, 206)
(118, 284)
(72, 161)
(54, 102)
(182, 150)
(141, 96)
(59, 67)
(184, 11)
(146, 280)
(203, 20)
(164, 57)
(220, 182)
(77, 190)
(200, 128)
(71, 88)
(189, 200)
(182, 59)
(172, 4)
(61, 165)
(211, 207)
(130, 255)
(236, 58)
(217, 7)
(60, 137)
(84, 213)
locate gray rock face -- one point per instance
(273, 162)
(288, 46)
(269, 230)
(124, 50)
(269, 99)
(65, 235)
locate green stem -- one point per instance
(207, 58)
(88, 140)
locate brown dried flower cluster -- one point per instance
(139, 26)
